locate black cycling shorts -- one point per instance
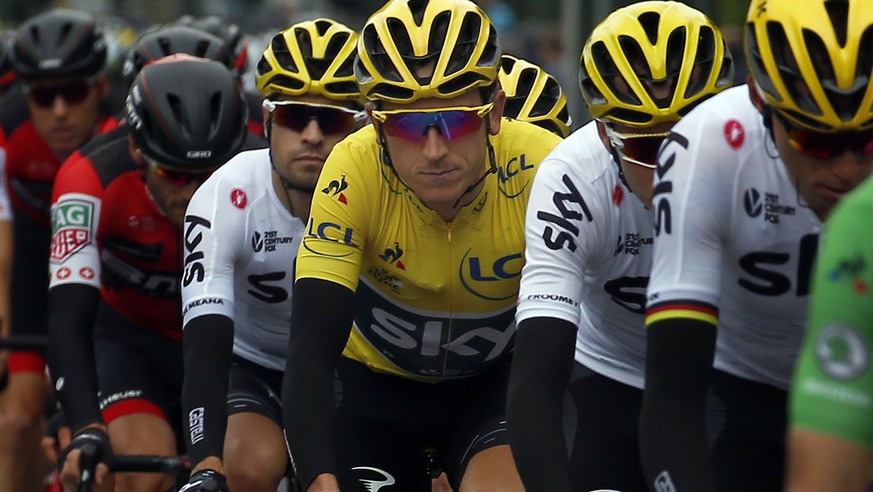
(605, 452)
(385, 424)
(254, 389)
(748, 420)
(138, 370)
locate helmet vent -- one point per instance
(467, 42)
(589, 89)
(417, 7)
(756, 64)
(182, 123)
(650, 21)
(845, 102)
(283, 57)
(215, 109)
(607, 69)
(378, 56)
(838, 11)
(789, 70)
(547, 99)
(322, 26)
(347, 69)
(704, 60)
(64, 34)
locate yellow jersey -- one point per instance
(434, 299)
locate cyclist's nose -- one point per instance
(435, 145)
(312, 133)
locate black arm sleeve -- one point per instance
(207, 343)
(321, 320)
(541, 367)
(673, 442)
(72, 309)
(29, 288)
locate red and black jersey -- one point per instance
(31, 167)
(108, 233)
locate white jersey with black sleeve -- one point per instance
(734, 241)
(245, 242)
(588, 254)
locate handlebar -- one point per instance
(171, 465)
(24, 342)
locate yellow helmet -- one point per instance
(651, 62)
(533, 95)
(311, 57)
(813, 62)
(452, 40)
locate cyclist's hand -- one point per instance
(74, 465)
(57, 437)
(206, 481)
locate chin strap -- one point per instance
(492, 168)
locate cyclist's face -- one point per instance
(65, 111)
(436, 169)
(299, 153)
(820, 182)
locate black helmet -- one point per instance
(58, 43)
(186, 113)
(171, 40)
(7, 74)
(229, 32)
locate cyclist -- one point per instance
(243, 228)
(59, 57)
(589, 247)
(415, 235)
(830, 438)
(742, 186)
(156, 44)
(114, 321)
(231, 34)
(533, 95)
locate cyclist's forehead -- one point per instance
(470, 98)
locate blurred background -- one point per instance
(550, 33)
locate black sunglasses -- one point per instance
(72, 93)
(297, 115)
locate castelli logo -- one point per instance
(617, 195)
(238, 198)
(734, 133)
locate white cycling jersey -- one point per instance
(243, 242)
(588, 254)
(734, 240)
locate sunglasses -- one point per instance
(296, 116)
(637, 148)
(452, 123)
(71, 93)
(178, 178)
(820, 145)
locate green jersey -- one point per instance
(833, 383)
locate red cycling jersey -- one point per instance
(32, 166)
(108, 233)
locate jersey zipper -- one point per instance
(451, 307)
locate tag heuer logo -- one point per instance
(71, 228)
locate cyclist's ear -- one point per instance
(495, 117)
(755, 94)
(135, 152)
